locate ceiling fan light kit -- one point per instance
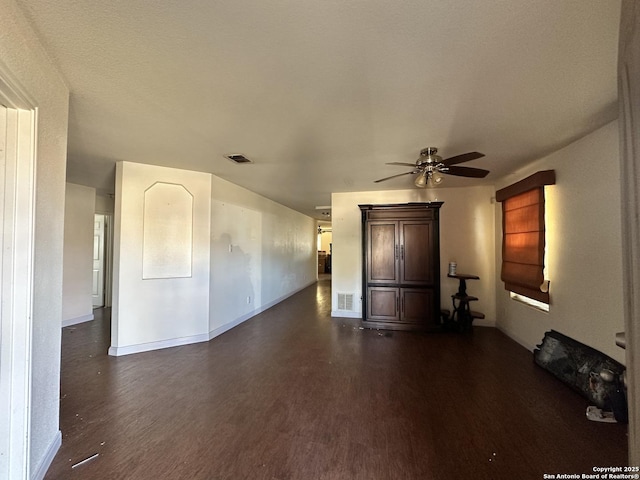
(421, 180)
(431, 166)
(427, 178)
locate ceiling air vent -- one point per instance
(238, 158)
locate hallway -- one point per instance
(295, 394)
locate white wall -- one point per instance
(104, 204)
(249, 254)
(584, 253)
(78, 254)
(466, 237)
(261, 253)
(22, 56)
(169, 307)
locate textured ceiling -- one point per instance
(320, 94)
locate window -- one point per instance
(523, 236)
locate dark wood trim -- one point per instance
(401, 326)
(410, 205)
(538, 179)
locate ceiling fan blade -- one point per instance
(465, 157)
(394, 176)
(466, 172)
(401, 163)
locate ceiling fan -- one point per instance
(430, 167)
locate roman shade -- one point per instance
(523, 239)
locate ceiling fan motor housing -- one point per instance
(428, 156)
(425, 152)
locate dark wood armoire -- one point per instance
(401, 266)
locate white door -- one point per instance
(97, 293)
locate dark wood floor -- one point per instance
(296, 394)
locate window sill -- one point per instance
(540, 306)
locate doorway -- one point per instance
(325, 239)
(18, 127)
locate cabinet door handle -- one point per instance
(397, 304)
(396, 252)
(402, 306)
(402, 252)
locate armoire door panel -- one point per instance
(383, 252)
(416, 253)
(417, 306)
(383, 304)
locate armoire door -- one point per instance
(416, 253)
(383, 252)
(383, 304)
(417, 306)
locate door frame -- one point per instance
(108, 258)
(17, 220)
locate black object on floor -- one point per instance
(592, 373)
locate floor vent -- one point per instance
(345, 301)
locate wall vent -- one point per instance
(238, 158)
(345, 301)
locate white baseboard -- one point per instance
(348, 314)
(228, 326)
(45, 463)
(234, 323)
(175, 342)
(483, 323)
(517, 339)
(146, 347)
(74, 321)
(345, 314)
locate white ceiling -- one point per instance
(320, 94)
